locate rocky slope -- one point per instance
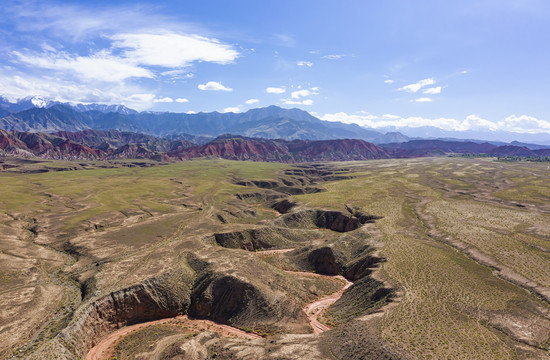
(241, 148)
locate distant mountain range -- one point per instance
(7, 106)
(113, 144)
(38, 115)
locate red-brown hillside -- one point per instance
(240, 148)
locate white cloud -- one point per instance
(300, 93)
(275, 90)
(233, 109)
(214, 86)
(513, 123)
(432, 91)
(138, 101)
(294, 102)
(390, 116)
(182, 100)
(474, 122)
(251, 101)
(78, 22)
(304, 63)
(524, 124)
(177, 74)
(334, 56)
(163, 100)
(374, 122)
(20, 86)
(100, 66)
(191, 112)
(130, 55)
(295, 96)
(388, 81)
(424, 99)
(417, 86)
(172, 50)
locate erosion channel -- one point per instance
(256, 270)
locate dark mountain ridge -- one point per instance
(270, 122)
(98, 145)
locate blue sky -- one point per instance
(461, 65)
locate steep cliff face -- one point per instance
(333, 220)
(235, 293)
(156, 298)
(263, 238)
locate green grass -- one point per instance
(103, 191)
(446, 299)
(444, 292)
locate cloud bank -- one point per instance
(523, 124)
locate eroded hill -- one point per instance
(442, 257)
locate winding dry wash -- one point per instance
(104, 349)
(315, 310)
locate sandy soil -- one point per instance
(315, 310)
(268, 253)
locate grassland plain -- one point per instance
(466, 242)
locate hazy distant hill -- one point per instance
(272, 122)
(430, 132)
(417, 148)
(32, 102)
